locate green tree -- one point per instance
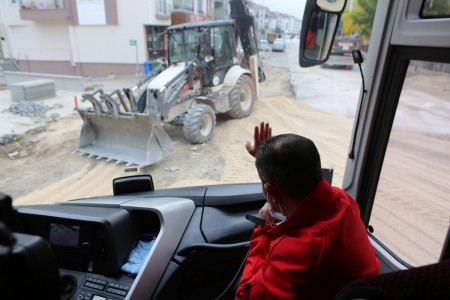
(347, 24)
(278, 30)
(362, 16)
(436, 8)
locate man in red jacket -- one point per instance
(313, 242)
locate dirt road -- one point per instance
(53, 171)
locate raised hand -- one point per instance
(263, 132)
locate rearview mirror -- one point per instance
(331, 5)
(133, 184)
(318, 31)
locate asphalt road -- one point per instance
(333, 90)
(424, 103)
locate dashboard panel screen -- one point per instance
(64, 235)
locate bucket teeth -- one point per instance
(114, 130)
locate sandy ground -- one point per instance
(51, 153)
(52, 171)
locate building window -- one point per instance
(200, 6)
(218, 4)
(162, 8)
(44, 4)
(15, 2)
(187, 5)
(155, 41)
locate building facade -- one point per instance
(268, 21)
(91, 38)
(98, 38)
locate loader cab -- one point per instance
(210, 45)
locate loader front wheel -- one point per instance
(199, 124)
(242, 97)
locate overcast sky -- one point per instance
(291, 7)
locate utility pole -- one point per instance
(134, 43)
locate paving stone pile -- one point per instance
(27, 109)
(7, 138)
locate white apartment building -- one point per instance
(221, 10)
(260, 14)
(96, 38)
(269, 21)
(91, 37)
(294, 26)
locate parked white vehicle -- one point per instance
(279, 45)
(264, 45)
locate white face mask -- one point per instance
(276, 215)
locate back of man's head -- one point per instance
(291, 163)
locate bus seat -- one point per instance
(425, 282)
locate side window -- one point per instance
(176, 48)
(219, 46)
(224, 48)
(230, 43)
(224, 45)
(196, 44)
(411, 212)
(435, 9)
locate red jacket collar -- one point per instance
(308, 210)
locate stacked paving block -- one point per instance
(32, 90)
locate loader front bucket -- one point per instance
(134, 139)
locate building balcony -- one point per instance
(45, 10)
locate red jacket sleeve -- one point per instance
(310, 41)
(275, 269)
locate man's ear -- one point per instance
(272, 193)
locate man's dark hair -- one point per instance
(291, 163)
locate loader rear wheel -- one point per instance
(242, 97)
(199, 124)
